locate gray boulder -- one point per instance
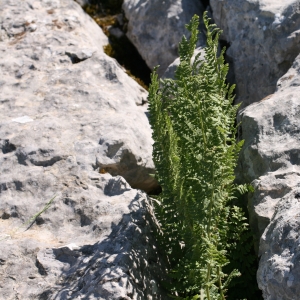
(264, 41)
(270, 159)
(73, 100)
(71, 122)
(156, 27)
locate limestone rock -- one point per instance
(264, 41)
(270, 159)
(156, 27)
(279, 268)
(95, 241)
(71, 118)
(74, 94)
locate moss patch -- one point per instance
(108, 15)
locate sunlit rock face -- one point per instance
(73, 125)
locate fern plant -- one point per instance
(195, 154)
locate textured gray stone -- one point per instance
(270, 159)
(95, 241)
(71, 118)
(279, 268)
(264, 41)
(156, 27)
(72, 92)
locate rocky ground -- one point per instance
(74, 125)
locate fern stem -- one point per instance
(220, 284)
(208, 267)
(211, 202)
(201, 123)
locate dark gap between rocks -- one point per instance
(230, 75)
(245, 280)
(46, 163)
(109, 16)
(205, 3)
(45, 295)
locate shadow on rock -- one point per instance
(125, 265)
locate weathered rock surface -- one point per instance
(156, 27)
(278, 273)
(264, 40)
(271, 159)
(70, 116)
(58, 76)
(95, 241)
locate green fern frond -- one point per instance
(195, 154)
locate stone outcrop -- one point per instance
(58, 84)
(71, 122)
(271, 160)
(264, 41)
(156, 27)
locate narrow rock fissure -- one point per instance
(205, 3)
(47, 163)
(230, 75)
(40, 268)
(242, 200)
(110, 17)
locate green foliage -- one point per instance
(195, 154)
